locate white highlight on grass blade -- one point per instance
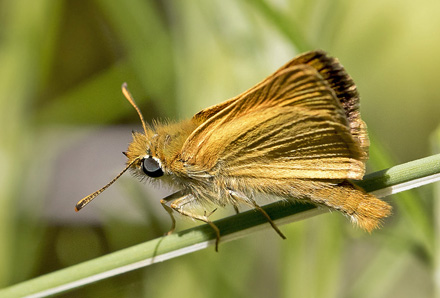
(406, 186)
(123, 269)
(176, 253)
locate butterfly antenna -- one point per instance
(90, 197)
(129, 97)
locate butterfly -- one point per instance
(298, 134)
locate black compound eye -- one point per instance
(151, 167)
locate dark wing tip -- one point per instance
(335, 75)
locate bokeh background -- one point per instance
(64, 123)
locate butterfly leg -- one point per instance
(251, 202)
(177, 202)
(164, 202)
(210, 213)
(170, 212)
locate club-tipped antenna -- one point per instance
(130, 98)
(90, 197)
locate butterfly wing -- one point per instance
(338, 80)
(291, 125)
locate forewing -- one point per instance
(337, 79)
(292, 123)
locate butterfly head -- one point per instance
(142, 156)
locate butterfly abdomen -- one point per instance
(364, 209)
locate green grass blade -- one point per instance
(234, 227)
(413, 209)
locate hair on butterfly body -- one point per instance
(297, 134)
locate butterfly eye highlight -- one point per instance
(151, 167)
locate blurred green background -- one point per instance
(64, 124)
